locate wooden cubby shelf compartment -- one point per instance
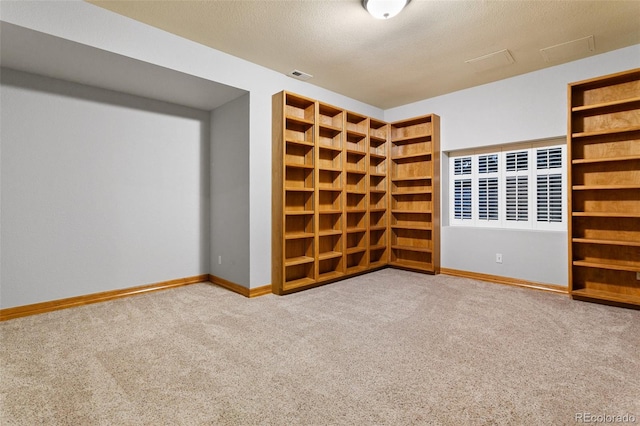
(606, 214)
(329, 255)
(329, 115)
(410, 178)
(606, 160)
(298, 212)
(302, 143)
(299, 166)
(356, 230)
(353, 250)
(603, 187)
(330, 275)
(356, 172)
(610, 296)
(298, 260)
(604, 179)
(606, 242)
(633, 102)
(411, 156)
(332, 193)
(412, 192)
(356, 134)
(298, 235)
(330, 148)
(614, 131)
(413, 227)
(299, 107)
(612, 266)
(376, 140)
(356, 123)
(297, 122)
(329, 129)
(356, 154)
(325, 233)
(296, 189)
(297, 283)
(411, 248)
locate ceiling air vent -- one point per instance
(570, 50)
(299, 75)
(491, 61)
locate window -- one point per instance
(512, 187)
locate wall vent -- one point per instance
(299, 75)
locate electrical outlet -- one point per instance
(498, 257)
(638, 276)
(219, 260)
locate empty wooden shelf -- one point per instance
(604, 182)
(415, 201)
(348, 197)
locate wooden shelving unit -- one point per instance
(604, 177)
(294, 192)
(334, 191)
(415, 202)
(330, 201)
(378, 193)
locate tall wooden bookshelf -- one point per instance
(415, 201)
(378, 193)
(604, 177)
(337, 210)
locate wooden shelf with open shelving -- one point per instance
(415, 160)
(604, 178)
(350, 193)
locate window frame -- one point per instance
(531, 173)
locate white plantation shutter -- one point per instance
(517, 198)
(519, 187)
(549, 196)
(549, 185)
(488, 199)
(550, 158)
(462, 166)
(517, 161)
(516, 184)
(488, 163)
(462, 199)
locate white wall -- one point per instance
(100, 190)
(523, 108)
(230, 239)
(90, 25)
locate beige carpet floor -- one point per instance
(386, 348)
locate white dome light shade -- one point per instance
(384, 9)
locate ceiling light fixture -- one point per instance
(384, 9)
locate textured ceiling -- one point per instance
(419, 54)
